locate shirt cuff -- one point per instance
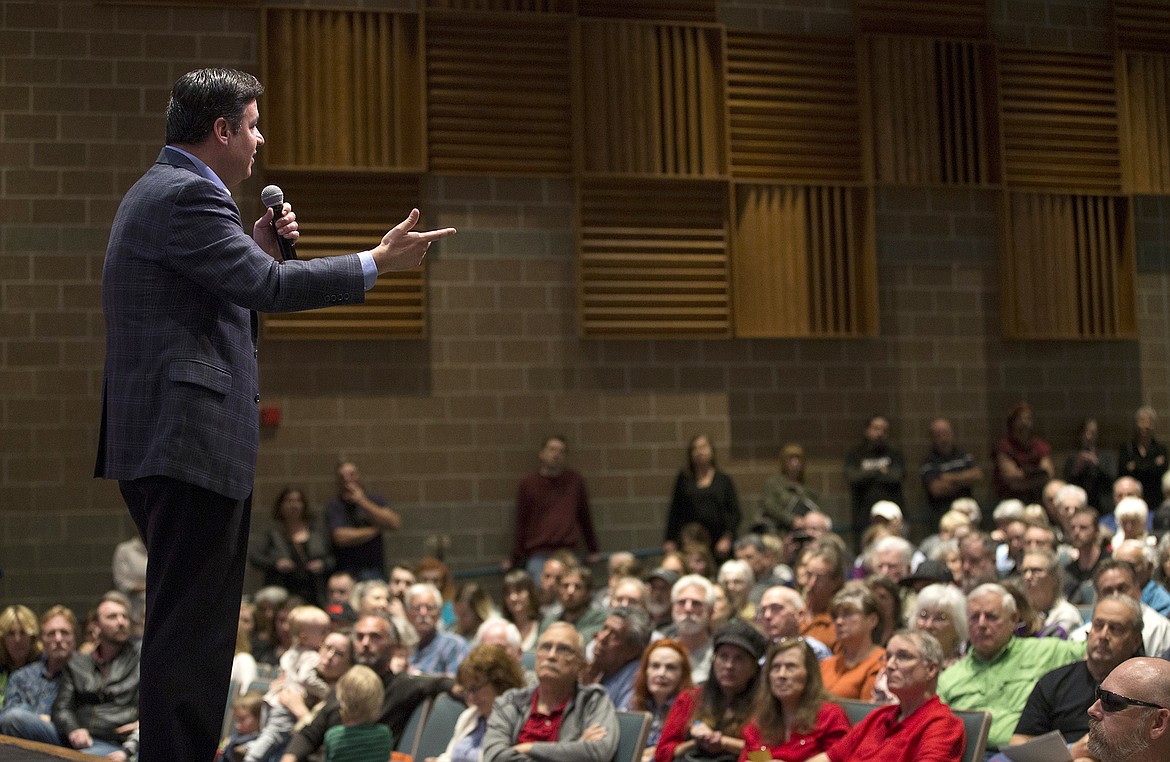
(369, 269)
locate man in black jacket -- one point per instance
(96, 710)
(374, 641)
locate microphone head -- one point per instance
(271, 196)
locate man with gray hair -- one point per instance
(437, 653)
(890, 557)
(617, 652)
(919, 728)
(1063, 696)
(999, 672)
(781, 614)
(1144, 559)
(497, 631)
(692, 599)
(1130, 721)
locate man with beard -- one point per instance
(96, 711)
(1130, 721)
(1062, 697)
(874, 470)
(919, 728)
(692, 599)
(32, 689)
(577, 606)
(821, 575)
(437, 653)
(617, 652)
(658, 586)
(374, 640)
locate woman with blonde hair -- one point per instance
(20, 641)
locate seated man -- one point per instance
(437, 653)
(692, 601)
(96, 710)
(577, 609)
(1130, 721)
(374, 640)
(999, 672)
(919, 728)
(1062, 698)
(781, 614)
(32, 689)
(558, 719)
(1145, 559)
(1115, 577)
(617, 652)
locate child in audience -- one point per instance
(360, 737)
(245, 724)
(308, 626)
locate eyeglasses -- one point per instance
(902, 657)
(1114, 702)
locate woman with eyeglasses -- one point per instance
(706, 724)
(793, 718)
(487, 672)
(942, 611)
(852, 670)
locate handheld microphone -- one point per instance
(273, 198)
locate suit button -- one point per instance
(257, 399)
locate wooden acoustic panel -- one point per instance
(929, 108)
(967, 19)
(1142, 25)
(345, 90)
(701, 11)
(653, 260)
(1068, 267)
(1059, 121)
(804, 262)
(343, 214)
(793, 109)
(499, 93)
(1146, 97)
(502, 6)
(652, 99)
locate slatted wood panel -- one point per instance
(345, 89)
(506, 6)
(500, 93)
(1068, 267)
(1146, 95)
(1142, 25)
(804, 262)
(969, 19)
(652, 10)
(793, 109)
(653, 99)
(1059, 119)
(930, 110)
(342, 214)
(653, 259)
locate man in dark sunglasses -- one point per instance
(1130, 720)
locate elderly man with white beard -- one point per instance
(692, 601)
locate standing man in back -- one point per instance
(552, 512)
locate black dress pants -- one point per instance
(196, 545)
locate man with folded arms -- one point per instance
(919, 728)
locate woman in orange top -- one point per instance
(850, 673)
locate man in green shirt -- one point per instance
(1000, 671)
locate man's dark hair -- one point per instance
(200, 97)
(1109, 564)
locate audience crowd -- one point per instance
(743, 640)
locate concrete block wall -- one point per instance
(445, 427)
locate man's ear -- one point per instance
(1160, 725)
(221, 130)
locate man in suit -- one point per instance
(181, 285)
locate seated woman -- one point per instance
(487, 672)
(473, 606)
(852, 670)
(665, 672)
(20, 641)
(522, 606)
(794, 718)
(707, 723)
(736, 579)
(942, 611)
